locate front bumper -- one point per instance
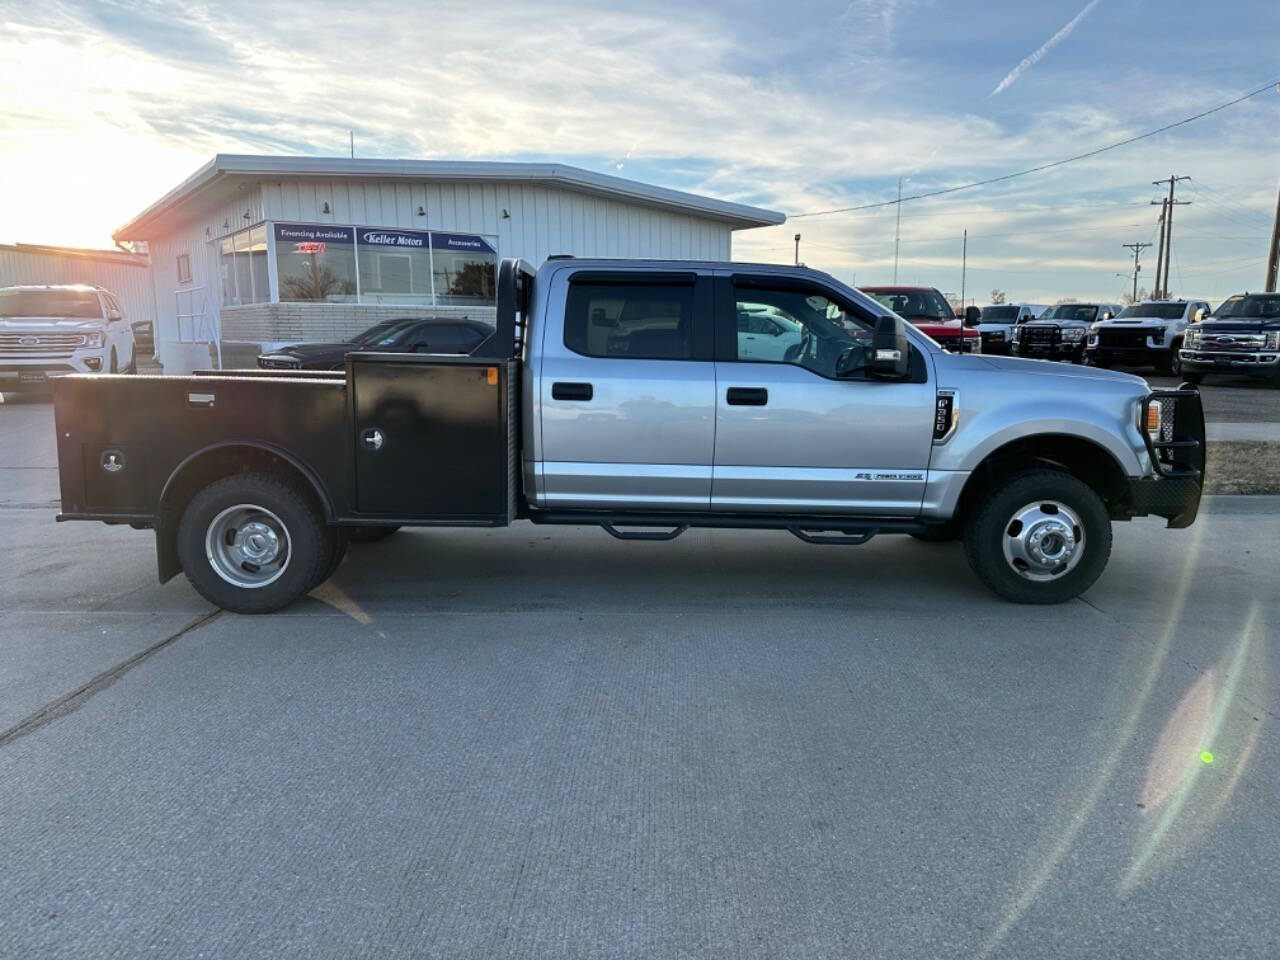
(1260, 364)
(1131, 356)
(998, 345)
(17, 373)
(1177, 456)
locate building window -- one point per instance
(242, 267)
(184, 268)
(465, 269)
(395, 266)
(316, 263)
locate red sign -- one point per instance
(309, 246)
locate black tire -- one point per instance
(992, 522)
(369, 534)
(133, 362)
(339, 551)
(114, 363)
(1195, 379)
(308, 541)
(1170, 364)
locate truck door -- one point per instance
(793, 437)
(626, 392)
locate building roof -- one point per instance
(225, 167)
(80, 253)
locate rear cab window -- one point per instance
(637, 317)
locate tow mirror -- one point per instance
(114, 315)
(972, 316)
(890, 351)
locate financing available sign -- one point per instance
(313, 233)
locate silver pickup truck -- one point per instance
(646, 398)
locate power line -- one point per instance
(1044, 166)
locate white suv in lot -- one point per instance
(48, 331)
(999, 321)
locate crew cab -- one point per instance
(628, 394)
(1145, 334)
(1241, 336)
(999, 320)
(49, 331)
(928, 310)
(1060, 332)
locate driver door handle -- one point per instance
(747, 396)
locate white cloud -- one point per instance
(1034, 58)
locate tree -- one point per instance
(1143, 294)
(997, 296)
(316, 284)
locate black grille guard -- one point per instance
(1179, 450)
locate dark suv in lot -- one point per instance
(403, 335)
(1241, 336)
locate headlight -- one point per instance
(1192, 338)
(94, 338)
(1073, 334)
(1153, 420)
(1273, 340)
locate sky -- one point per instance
(798, 107)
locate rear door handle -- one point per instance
(572, 391)
(747, 396)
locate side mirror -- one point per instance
(972, 316)
(1106, 315)
(890, 351)
(421, 347)
(114, 315)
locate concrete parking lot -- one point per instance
(545, 743)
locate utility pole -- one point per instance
(897, 231)
(352, 133)
(1170, 203)
(964, 266)
(1155, 290)
(1273, 256)
(797, 249)
(1137, 249)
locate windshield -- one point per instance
(1250, 305)
(1165, 311)
(999, 313)
(81, 304)
(916, 303)
(1083, 313)
(386, 331)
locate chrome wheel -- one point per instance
(1043, 540)
(247, 546)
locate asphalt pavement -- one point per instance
(540, 742)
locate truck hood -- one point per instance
(1045, 368)
(1238, 325)
(50, 324)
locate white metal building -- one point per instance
(254, 250)
(126, 275)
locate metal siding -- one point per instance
(131, 283)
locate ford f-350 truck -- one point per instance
(628, 395)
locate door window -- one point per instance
(800, 327)
(640, 321)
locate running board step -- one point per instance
(846, 538)
(671, 534)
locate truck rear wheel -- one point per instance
(1043, 536)
(252, 543)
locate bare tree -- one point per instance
(1129, 299)
(316, 284)
(997, 296)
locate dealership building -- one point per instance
(254, 251)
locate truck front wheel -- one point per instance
(1042, 536)
(252, 543)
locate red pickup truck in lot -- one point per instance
(927, 310)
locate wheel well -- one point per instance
(1081, 458)
(202, 469)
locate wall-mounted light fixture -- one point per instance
(505, 215)
(422, 211)
(248, 214)
(324, 208)
(226, 224)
